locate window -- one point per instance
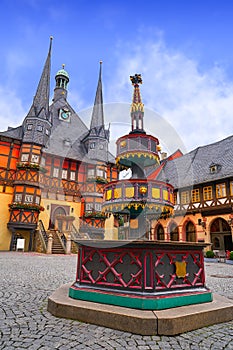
(39, 128)
(24, 157)
(195, 195)
(220, 190)
(89, 207)
(35, 158)
(216, 243)
(42, 161)
(215, 168)
(184, 197)
(160, 233)
(72, 175)
(18, 197)
(99, 172)
(29, 127)
(92, 145)
(91, 173)
(175, 197)
(28, 198)
(174, 232)
(207, 193)
(64, 174)
(55, 172)
(47, 132)
(190, 232)
(231, 188)
(37, 200)
(98, 207)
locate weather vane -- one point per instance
(136, 79)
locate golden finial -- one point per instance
(136, 79)
(63, 65)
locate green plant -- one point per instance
(210, 254)
(231, 255)
(94, 214)
(32, 166)
(18, 205)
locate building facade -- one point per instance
(203, 182)
(53, 168)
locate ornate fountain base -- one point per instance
(137, 286)
(141, 274)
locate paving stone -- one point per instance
(26, 324)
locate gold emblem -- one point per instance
(143, 190)
(180, 269)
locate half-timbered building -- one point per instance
(53, 169)
(203, 182)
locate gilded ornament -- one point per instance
(180, 269)
(143, 189)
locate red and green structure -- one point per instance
(141, 274)
(135, 272)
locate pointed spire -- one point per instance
(97, 118)
(40, 105)
(137, 107)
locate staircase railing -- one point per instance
(76, 234)
(63, 239)
(43, 235)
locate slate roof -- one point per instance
(40, 104)
(194, 167)
(14, 133)
(66, 137)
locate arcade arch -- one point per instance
(220, 235)
(190, 232)
(174, 232)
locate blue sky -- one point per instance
(182, 48)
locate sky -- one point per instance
(182, 48)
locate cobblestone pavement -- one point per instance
(26, 281)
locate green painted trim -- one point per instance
(143, 303)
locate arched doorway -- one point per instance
(57, 212)
(220, 235)
(174, 232)
(160, 233)
(57, 216)
(190, 232)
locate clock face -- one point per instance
(64, 114)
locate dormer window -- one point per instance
(67, 142)
(215, 168)
(39, 128)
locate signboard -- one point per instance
(20, 243)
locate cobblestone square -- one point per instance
(27, 279)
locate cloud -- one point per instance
(197, 103)
(11, 110)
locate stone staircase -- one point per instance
(57, 247)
